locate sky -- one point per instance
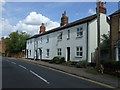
(28, 16)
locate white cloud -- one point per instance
(90, 11)
(6, 27)
(31, 24)
(2, 3)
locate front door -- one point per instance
(27, 53)
(36, 55)
(68, 53)
(119, 53)
(40, 54)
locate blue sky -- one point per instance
(14, 12)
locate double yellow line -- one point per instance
(96, 82)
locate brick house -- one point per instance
(2, 46)
(115, 35)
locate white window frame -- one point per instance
(79, 51)
(47, 52)
(59, 51)
(59, 38)
(79, 31)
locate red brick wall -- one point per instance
(114, 33)
(2, 46)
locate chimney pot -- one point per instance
(42, 28)
(64, 19)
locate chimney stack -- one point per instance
(101, 7)
(42, 28)
(64, 19)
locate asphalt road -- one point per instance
(19, 74)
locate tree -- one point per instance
(105, 45)
(16, 42)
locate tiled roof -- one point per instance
(116, 12)
(84, 20)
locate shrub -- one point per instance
(54, 60)
(117, 64)
(69, 63)
(111, 64)
(61, 60)
(57, 60)
(81, 64)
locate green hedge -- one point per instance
(69, 63)
(82, 64)
(57, 60)
(111, 64)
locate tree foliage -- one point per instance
(16, 42)
(105, 45)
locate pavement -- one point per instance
(102, 78)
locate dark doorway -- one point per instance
(27, 53)
(68, 53)
(36, 55)
(119, 53)
(40, 53)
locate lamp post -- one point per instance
(98, 35)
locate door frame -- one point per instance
(67, 52)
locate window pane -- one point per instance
(77, 53)
(81, 53)
(77, 48)
(80, 48)
(81, 33)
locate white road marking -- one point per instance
(23, 67)
(8, 60)
(40, 77)
(13, 62)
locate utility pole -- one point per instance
(98, 35)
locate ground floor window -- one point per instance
(59, 52)
(79, 51)
(48, 52)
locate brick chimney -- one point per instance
(64, 19)
(102, 8)
(42, 28)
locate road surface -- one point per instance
(19, 74)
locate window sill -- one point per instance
(79, 37)
(59, 40)
(78, 56)
(47, 56)
(68, 38)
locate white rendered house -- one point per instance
(75, 41)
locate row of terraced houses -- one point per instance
(75, 41)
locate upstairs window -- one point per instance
(79, 51)
(41, 40)
(80, 31)
(68, 36)
(59, 36)
(47, 40)
(59, 52)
